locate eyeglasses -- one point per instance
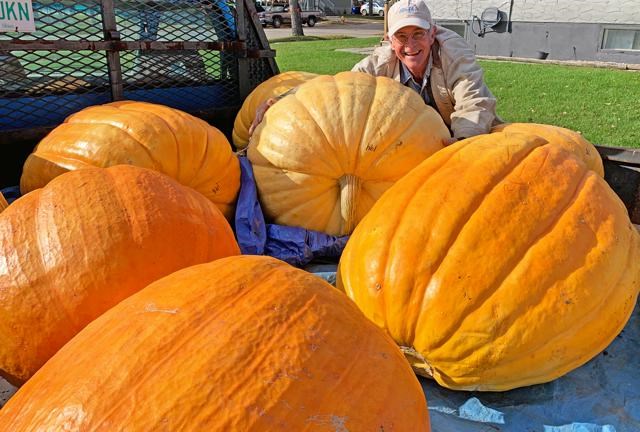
(403, 38)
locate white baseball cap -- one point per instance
(405, 13)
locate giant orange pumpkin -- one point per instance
(90, 238)
(142, 134)
(240, 344)
(563, 137)
(324, 155)
(501, 261)
(273, 87)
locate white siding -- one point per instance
(573, 11)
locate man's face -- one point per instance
(412, 46)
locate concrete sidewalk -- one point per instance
(332, 26)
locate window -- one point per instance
(621, 39)
(458, 27)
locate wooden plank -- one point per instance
(620, 155)
(625, 181)
(244, 82)
(258, 30)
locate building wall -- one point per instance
(564, 29)
(562, 41)
(574, 11)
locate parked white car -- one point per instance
(378, 9)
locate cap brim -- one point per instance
(410, 21)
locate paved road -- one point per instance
(352, 27)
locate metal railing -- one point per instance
(201, 56)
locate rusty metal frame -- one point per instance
(239, 48)
(15, 142)
(112, 45)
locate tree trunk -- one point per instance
(296, 19)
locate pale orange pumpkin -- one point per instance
(501, 261)
(147, 135)
(324, 155)
(90, 238)
(570, 140)
(273, 87)
(244, 343)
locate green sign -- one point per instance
(16, 16)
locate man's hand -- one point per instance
(260, 112)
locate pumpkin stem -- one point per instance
(350, 186)
(418, 363)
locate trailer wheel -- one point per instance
(311, 21)
(277, 22)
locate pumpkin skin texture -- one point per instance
(3, 203)
(147, 135)
(570, 140)
(500, 262)
(87, 240)
(322, 156)
(273, 87)
(244, 343)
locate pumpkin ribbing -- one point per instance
(242, 343)
(566, 138)
(351, 126)
(273, 87)
(503, 261)
(147, 135)
(87, 240)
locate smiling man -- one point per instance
(438, 64)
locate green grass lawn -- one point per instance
(603, 104)
(320, 56)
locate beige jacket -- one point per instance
(463, 100)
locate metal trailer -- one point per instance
(200, 56)
(205, 56)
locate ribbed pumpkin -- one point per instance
(502, 261)
(142, 134)
(3, 203)
(273, 87)
(571, 140)
(90, 238)
(325, 154)
(240, 344)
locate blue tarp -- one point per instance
(11, 193)
(601, 396)
(295, 245)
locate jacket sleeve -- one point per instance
(474, 106)
(366, 65)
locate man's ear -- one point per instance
(432, 33)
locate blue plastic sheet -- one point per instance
(601, 396)
(295, 245)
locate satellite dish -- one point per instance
(490, 17)
(489, 21)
